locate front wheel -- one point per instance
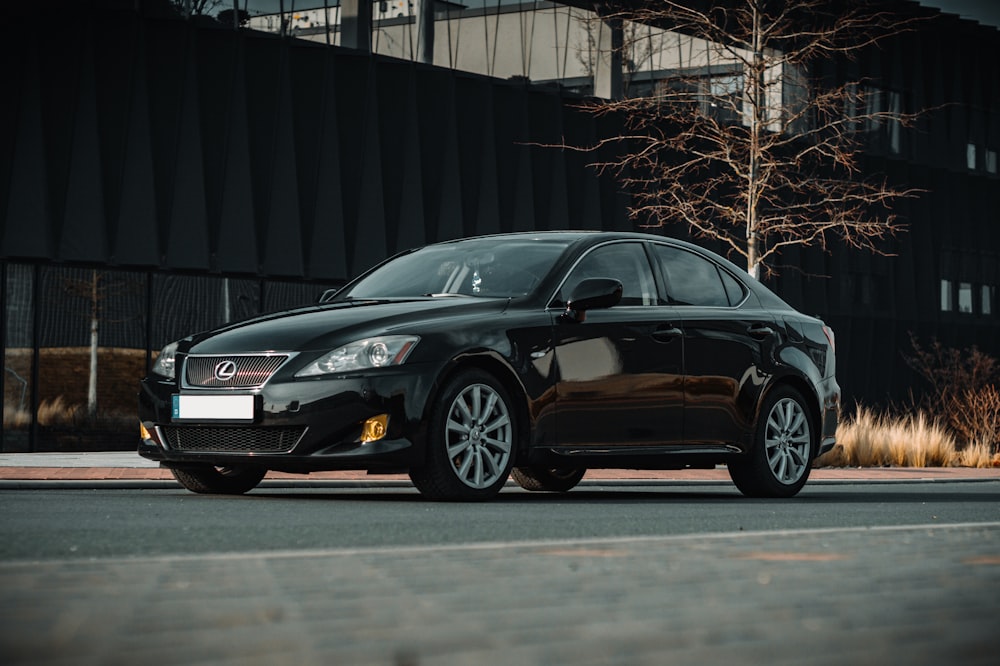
(553, 480)
(784, 445)
(211, 480)
(470, 441)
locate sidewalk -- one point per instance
(125, 466)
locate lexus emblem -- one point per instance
(225, 370)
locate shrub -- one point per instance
(974, 415)
(964, 392)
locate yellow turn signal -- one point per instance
(143, 433)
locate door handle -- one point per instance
(760, 331)
(667, 333)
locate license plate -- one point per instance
(213, 407)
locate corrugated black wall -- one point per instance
(155, 143)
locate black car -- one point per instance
(532, 355)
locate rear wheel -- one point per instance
(219, 480)
(542, 479)
(784, 446)
(470, 442)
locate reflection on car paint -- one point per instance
(634, 377)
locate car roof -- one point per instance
(595, 237)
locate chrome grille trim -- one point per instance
(232, 439)
(252, 370)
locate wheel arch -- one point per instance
(806, 390)
(496, 366)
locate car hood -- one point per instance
(325, 326)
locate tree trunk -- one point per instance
(92, 383)
(755, 92)
(753, 259)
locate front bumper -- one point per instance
(298, 425)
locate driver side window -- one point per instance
(625, 262)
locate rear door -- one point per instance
(727, 345)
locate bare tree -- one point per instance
(189, 8)
(95, 290)
(742, 141)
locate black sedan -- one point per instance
(532, 355)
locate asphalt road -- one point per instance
(642, 574)
(85, 523)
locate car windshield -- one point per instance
(482, 267)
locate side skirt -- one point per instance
(703, 456)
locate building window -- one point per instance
(947, 302)
(874, 106)
(991, 161)
(795, 99)
(894, 128)
(986, 305)
(722, 96)
(883, 112)
(970, 155)
(965, 297)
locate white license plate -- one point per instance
(213, 407)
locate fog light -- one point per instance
(375, 428)
(143, 433)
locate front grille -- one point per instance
(249, 371)
(222, 439)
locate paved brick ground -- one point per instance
(915, 595)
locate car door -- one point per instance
(727, 345)
(619, 372)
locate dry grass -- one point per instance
(16, 419)
(869, 439)
(59, 413)
(977, 455)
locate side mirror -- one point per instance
(592, 294)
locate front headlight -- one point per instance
(380, 352)
(164, 364)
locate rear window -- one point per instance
(694, 280)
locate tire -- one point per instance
(210, 480)
(471, 440)
(553, 480)
(783, 449)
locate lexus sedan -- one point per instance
(533, 355)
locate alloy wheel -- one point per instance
(787, 441)
(479, 436)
